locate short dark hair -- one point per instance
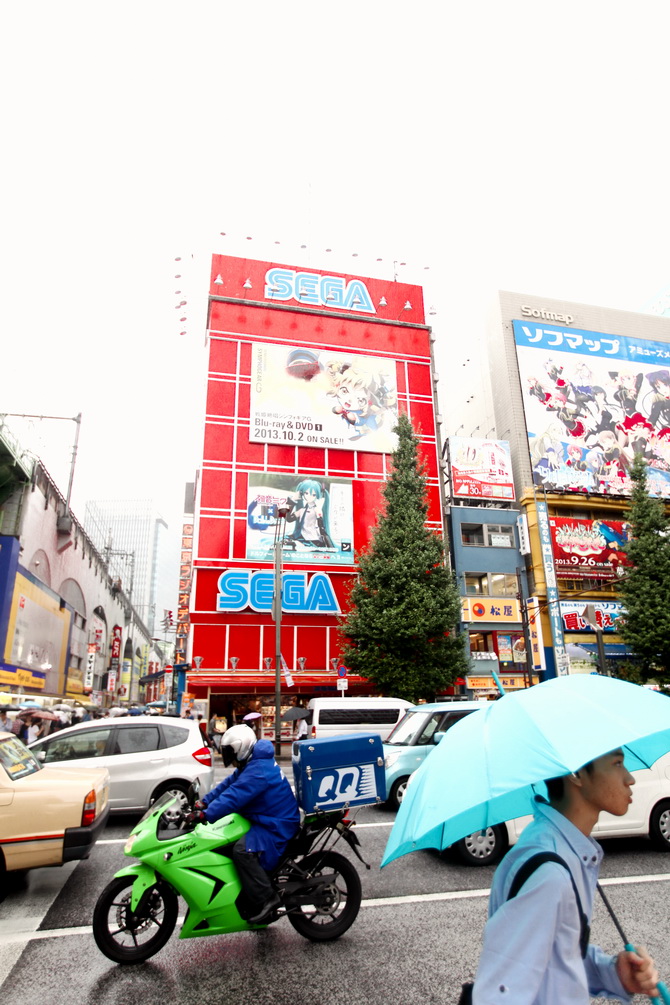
(556, 787)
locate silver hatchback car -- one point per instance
(146, 755)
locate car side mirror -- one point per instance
(41, 755)
(437, 737)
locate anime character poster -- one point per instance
(591, 549)
(592, 402)
(319, 526)
(480, 469)
(323, 399)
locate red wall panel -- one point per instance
(403, 338)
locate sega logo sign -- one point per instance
(320, 291)
(239, 589)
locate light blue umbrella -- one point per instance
(489, 766)
(486, 768)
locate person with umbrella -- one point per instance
(575, 732)
(298, 715)
(535, 947)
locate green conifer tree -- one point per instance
(400, 630)
(645, 589)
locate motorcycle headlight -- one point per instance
(390, 759)
(128, 847)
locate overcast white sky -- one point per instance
(516, 145)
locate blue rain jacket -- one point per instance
(259, 791)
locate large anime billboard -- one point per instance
(319, 525)
(591, 549)
(592, 401)
(312, 397)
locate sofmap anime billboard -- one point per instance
(312, 397)
(592, 549)
(319, 525)
(480, 469)
(592, 401)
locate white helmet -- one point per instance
(237, 744)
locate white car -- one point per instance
(647, 816)
(146, 756)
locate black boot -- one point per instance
(263, 913)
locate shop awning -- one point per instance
(613, 650)
(148, 678)
(266, 680)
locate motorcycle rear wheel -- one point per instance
(337, 904)
(125, 937)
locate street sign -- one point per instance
(343, 684)
(342, 672)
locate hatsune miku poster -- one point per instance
(319, 526)
(312, 397)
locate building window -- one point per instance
(580, 585)
(481, 642)
(487, 535)
(476, 584)
(499, 535)
(490, 584)
(503, 584)
(472, 534)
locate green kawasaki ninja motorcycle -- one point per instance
(136, 913)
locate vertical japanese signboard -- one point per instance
(553, 603)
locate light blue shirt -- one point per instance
(531, 953)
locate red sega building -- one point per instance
(307, 373)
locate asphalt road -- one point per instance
(417, 936)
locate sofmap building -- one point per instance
(577, 391)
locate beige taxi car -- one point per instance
(47, 816)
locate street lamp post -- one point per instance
(280, 528)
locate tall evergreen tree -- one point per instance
(400, 630)
(645, 589)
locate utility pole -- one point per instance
(280, 529)
(525, 621)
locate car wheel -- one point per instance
(174, 812)
(483, 847)
(659, 826)
(397, 793)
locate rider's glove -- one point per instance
(194, 817)
(198, 805)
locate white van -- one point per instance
(339, 716)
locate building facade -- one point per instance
(66, 628)
(491, 576)
(307, 374)
(131, 536)
(577, 391)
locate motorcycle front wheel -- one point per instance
(126, 937)
(336, 905)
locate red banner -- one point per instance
(589, 549)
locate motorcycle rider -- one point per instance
(260, 792)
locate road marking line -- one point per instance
(18, 937)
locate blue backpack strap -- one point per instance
(527, 869)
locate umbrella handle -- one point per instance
(663, 993)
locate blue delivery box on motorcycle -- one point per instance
(341, 771)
